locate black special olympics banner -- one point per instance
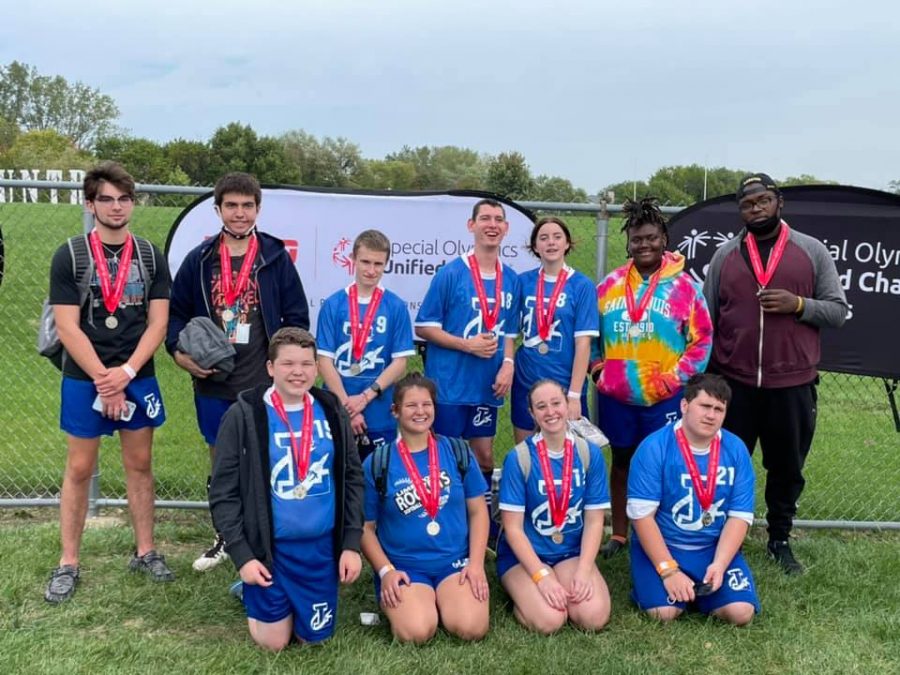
(860, 228)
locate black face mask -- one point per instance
(761, 228)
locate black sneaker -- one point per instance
(612, 547)
(780, 552)
(212, 557)
(153, 565)
(62, 584)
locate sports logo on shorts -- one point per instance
(460, 563)
(323, 615)
(482, 417)
(154, 405)
(737, 581)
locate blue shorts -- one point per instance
(376, 438)
(626, 425)
(304, 585)
(647, 590)
(429, 573)
(210, 412)
(518, 409)
(506, 559)
(465, 421)
(78, 418)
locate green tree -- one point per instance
(384, 174)
(444, 167)
(144, 159)
(237, 147)
(193, 158)
(331, 162)
(508, 175)
(44, 150)
(37, 102)
(894, 186)
(8, 133)
(556, 189)
(805, 179)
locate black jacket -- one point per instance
(240, 495)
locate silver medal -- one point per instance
(557, 537)
(111, 322)
(706, 519)
(543, 348)
(355, 369)
(433, 528)
(634, 331)
(300, 491)
(227, 315)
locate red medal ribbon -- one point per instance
(488, 317)
(112, 295)
(545, 318)
(559, 503)
(230, 289)
(705, 494)
(430, 497)
(637, 313)
(358, 336)
(302, 450)
(764, 276)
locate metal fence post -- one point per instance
(602, 239)
(94, 489)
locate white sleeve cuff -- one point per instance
(597, 507)
(742, 515)
(516, 508)
(641, 508)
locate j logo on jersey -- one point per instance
(737, 580)
(283, 478)
(529, 328)
(688, 518)
(543, 523)
(322, 616)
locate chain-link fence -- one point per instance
(853, 472)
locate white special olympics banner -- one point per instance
(426, 230)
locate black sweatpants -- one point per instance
(784, 421)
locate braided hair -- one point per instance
(644, 211)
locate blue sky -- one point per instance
(596, 92)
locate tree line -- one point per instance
(48, 123)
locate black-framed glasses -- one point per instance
(763, 202)
(106, 200)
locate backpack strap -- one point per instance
(380, 458)
(461, 454)
(584, 453)
(147, 264)
(82, 265)
(523, 455)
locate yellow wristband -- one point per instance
(540, 574)
(800, 304)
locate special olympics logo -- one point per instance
(340, 255)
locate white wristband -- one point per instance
(508, 359)
(574, 394)
(129, 371)
(384, 570)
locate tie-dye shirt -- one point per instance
(675, 336)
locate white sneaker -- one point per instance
(211, 558)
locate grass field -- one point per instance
(843, 616)
(855, 443)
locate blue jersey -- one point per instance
(576, 316)
(312, 516)
(658, 476)
(452, 304)
(402, 519)
(390, 338)
(589, 491)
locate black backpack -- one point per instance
(382, 456)
(48, 344)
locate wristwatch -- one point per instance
(376, 388)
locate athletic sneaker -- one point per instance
(612, 547)
(780, 552)
(212, 557)
(62, 584)
(152, 564)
